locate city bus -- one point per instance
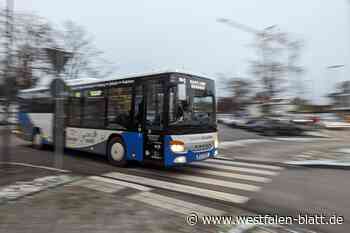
(169, 117)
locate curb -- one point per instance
(325, 166)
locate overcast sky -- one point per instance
(141, 36)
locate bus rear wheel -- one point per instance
(116, 152)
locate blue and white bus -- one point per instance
(168, 117)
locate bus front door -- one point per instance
(154, 105)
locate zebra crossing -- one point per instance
(214, 180)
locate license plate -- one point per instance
(202, 156)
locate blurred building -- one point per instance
(340, 101)
(275, 106)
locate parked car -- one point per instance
(308, 122)
(332, 121)
(233, 121)
(272, 127)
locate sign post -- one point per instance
(58, 92)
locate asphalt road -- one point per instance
(307, 190)
(228, 133)
(283, 192)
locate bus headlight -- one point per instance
(177, 146)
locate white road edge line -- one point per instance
(211, 194)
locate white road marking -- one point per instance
(35, 166)
(203, 180)
(172, 204)
(122, 183)
(229, 162)
(232, 168)
(324, 162)
(232, 198)
(231, 175)
(300, 139)
(311, 152)
(343, 150)
(303, 156)
(244, 142)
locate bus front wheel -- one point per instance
(116, 152)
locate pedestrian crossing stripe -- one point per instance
(234, 168)
(122, 183)
(211, 194)
(146, 180)
(230, 162)
(238, 176)
(204, 180)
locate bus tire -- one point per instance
(37, 140)
(116, 152)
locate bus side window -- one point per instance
(119, 107)
(94, 109)
(75, 111)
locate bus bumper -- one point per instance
(174, 159)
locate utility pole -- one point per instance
(262, 36)
(9, 83)
(58, 89)
(335, 70)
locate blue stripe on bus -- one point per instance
(25, 124)
(134, 145)
(168, 154)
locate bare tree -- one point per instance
(239, 93)
(277, 59)
(86, 60)
(30, 34)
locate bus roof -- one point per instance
(85, 81)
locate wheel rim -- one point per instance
(117, 152)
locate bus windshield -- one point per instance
(196, 110)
